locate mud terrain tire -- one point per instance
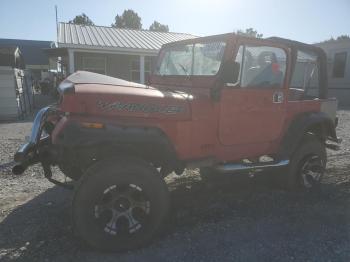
(307, 164)
(119, 204)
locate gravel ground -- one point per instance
(238, 218)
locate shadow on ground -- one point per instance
(232, 219)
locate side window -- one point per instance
(339, 65)
(261, 66)
(305, 79)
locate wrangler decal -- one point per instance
(136, 107)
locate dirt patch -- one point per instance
(236, 218)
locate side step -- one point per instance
(233, 167)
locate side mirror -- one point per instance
(230, 72)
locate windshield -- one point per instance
(191, 59)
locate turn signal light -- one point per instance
(92, 125)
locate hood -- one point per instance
(84, 77)
(95, 94)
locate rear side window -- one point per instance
(339, 65)
(261, 66)
(305, 78)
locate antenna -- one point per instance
(56, 23)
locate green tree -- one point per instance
(129, 19)
(82, 19)
(250, 32)
(156, 26)
(343, 37)
(339, 38)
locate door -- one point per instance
(252, 110)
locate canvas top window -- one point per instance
(304, 83)
(261, 66)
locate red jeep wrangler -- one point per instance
(221, 103)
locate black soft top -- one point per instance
(322, 59)
(295, 44)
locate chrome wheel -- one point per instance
(122, 210)
(312, 171)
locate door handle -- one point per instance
(277, 97)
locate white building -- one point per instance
(338, 56)
(123, 53)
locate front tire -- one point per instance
(119, 204)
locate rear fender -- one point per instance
(318, 123)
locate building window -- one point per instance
(135, 68)
(95, 64)
(339, 65)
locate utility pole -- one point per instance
(58, 62)
(56, 23)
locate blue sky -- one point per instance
(308, 21)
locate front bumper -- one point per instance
(32, 152)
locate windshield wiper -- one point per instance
(183, 68)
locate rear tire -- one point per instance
(119, 204)
(307, 165)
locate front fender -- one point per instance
(149, 143)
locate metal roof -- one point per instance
(101, 37)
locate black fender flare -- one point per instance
(318, 123)
(149, 143)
